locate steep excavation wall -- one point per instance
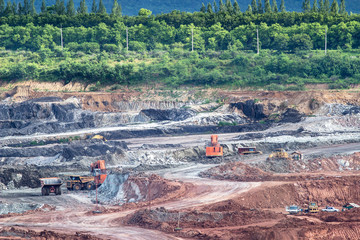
(121, 188)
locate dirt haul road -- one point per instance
(74, 214)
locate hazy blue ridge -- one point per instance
(131, 7)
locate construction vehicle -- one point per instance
(98, 176)
(50, 185)
(99, 137)
(312, 208)
(279, 153)
(215, 150)
(248, 151)
(75, 182)
(98, 170)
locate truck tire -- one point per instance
(58, 190)
(45, 191)
(90, 186)
(77, 187)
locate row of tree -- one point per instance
(239, 69)
(256, 7)
(160, 35)
(59, 8)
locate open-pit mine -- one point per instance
(274, 150)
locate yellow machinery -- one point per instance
(313, 207)
(99, 137)
(279, 153)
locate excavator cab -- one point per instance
(215, 150)
(98, 170)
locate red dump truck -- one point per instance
(51, 185)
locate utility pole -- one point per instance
(325, 40)
(127, 39)
(257, 40)
(192, 39)
(61, 39)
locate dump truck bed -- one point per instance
(50, 181)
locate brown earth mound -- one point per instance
(167, 221)
(17, 233)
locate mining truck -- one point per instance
(98, 176)
(50, 185)
(214, 150)
(248, 151)
(75, 182)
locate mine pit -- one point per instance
(159, 183)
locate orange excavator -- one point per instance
(98, 170)
(215, 150)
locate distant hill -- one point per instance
(131, 7)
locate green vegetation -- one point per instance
(159, 49)
(179, 67)
(223, 123)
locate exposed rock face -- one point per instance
(291, 115)
(64, 152)
(20, 177)
(169, 114)
(250, 109)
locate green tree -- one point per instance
(14, 8)
(26, 7)
(260, 7)
(315, 7)
(254, 6)
(2, 7)
(60, 7)
(236, 7)
(326, 6)
(82, 9)
(43, 7)
(215, 7)
(282, 6)
(222, 7)
(229, 7)
(301, 42)
(114, 9)
(334, 7)
(342, 8)
(19, 9)
(203, 8)
(306, 6)
(321, 6)
(93, 7)
(249, 10)
(267, 6)
(32, 7)
(8, 9)
(70, 9)
(209, 8)
(274, 6)
(101, 9)
(144, 12)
